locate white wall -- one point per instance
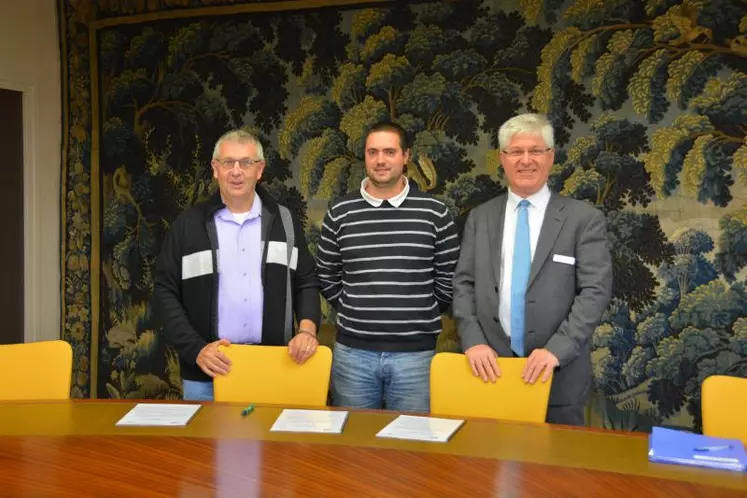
(30, 62)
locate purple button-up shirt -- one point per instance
(240, 292)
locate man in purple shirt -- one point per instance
(235, 269)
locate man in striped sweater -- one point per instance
(386, 261)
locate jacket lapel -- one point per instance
(553, 222)
(495, 233)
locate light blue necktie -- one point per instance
(522, 263)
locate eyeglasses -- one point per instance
(517, 153)
(244, 164)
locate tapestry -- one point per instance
(648, 99)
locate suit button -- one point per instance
(495, 319)
(496, 288)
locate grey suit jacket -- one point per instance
(564, 302)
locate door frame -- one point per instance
(32, 279)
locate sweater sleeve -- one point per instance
(329, 261)
(445, 260)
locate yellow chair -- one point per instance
(36, 371)
(455, 391)
(724, 403)
(267, 374)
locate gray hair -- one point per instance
(529, 124)
(242, 137)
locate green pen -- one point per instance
(246, 411)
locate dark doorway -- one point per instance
(11, 205)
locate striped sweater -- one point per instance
(388, 270)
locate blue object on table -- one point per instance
(686, 448)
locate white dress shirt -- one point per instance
(536, 214)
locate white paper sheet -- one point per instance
(322, 421)
(159, 414)
(421, 428)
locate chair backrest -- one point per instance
(36, 371)
(455, 391)
(267, 374)
(724, 403)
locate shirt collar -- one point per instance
(395, 201)
(254, 212)
(539, 199)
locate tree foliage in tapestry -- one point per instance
(449, 74)
(690, 56)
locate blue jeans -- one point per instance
(372, 379)
(197, 391)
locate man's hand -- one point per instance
(212, 361)
(539, 360)
(483, 361)
(302, 346)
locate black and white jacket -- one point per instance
(185, 298)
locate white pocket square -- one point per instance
(566, 260)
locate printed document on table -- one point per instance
(421, 428)
(159, 414)
(322, 421)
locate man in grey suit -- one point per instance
(534, 275)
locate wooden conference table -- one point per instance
(74, 449)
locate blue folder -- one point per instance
(686, 448)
